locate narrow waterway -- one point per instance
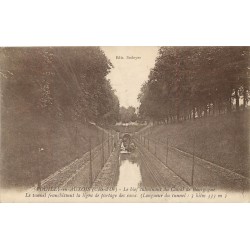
(130, 171)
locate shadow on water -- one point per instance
(129, 172)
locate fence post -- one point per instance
(108, 145)
(110, 138)
(112, 142)
(103, 159)
(192, 177)
(167, 153)
(90, 163)
(39, 185)
(39, 181)
(148, 142)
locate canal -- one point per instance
(133, 172)
(129, 171)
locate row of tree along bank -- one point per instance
(49, 97)
(192, 82)
(65, 83)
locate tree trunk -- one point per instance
(194, 113)
(205, 111)
(237, 99)
(229, 106)
(244, 98)
(199, 112)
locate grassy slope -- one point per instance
(22, 135)
(223, 139)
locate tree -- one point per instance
(67, 83)
(194, 82)
(128, 114)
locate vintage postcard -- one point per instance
(125, 124)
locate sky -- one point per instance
(128, 75)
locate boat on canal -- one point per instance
(127, 145)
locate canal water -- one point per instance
(129, 171)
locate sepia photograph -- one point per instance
(125, 124)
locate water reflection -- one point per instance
(130, 174)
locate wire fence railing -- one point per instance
(192, 169)
(83, 171)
